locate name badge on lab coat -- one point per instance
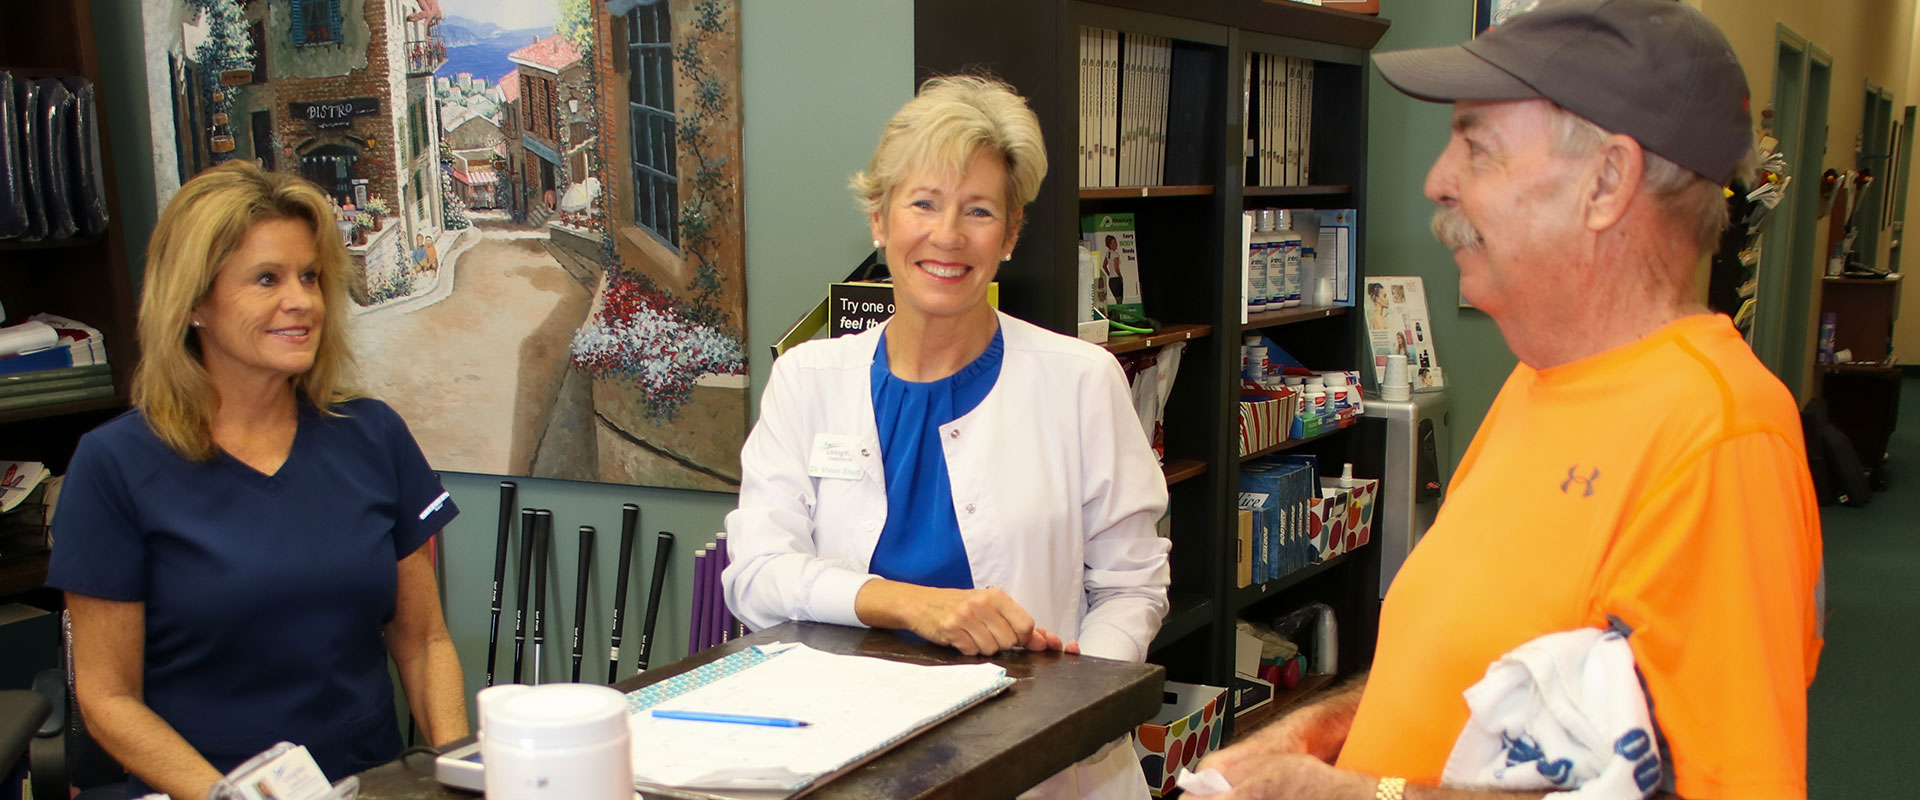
(834, 457)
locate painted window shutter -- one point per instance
(298, 23)
(333, 17)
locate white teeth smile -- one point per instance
(289, 332)
(941, 271)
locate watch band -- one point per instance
(1390, 789)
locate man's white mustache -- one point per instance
(1451, 227)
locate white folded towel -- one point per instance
(1563, 712)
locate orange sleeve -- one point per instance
(1715, 573)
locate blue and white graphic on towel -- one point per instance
(1565, 712)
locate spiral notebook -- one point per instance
(857, 708)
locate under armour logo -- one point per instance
(1572, 478)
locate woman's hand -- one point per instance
(973, 621)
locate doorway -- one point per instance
(1902, 171)
(1807, 260)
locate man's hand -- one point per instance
(973, 621)
(1292, 776)
(1318, 730)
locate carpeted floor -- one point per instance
(1864, 727)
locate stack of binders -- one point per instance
(1278, 103)
(52, 360)
(1279, 491)
(52, 184)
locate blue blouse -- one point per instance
(265, 595)
(921, 542)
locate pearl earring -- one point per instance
(1007, 257)
(876, 244)
(198, 324)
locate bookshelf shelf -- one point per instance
(1244, 596)
(1285, 700)
(1292, 443)
(1316, 190)
(1180, 469)
(1288, 316)
(1188, 240)
(58, 409)
(1111, 192)
(1186, 612)
(70, 243)
(1859, 369)
(1167, 335)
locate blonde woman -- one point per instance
(241, 553)
(956, 472)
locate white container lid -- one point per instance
(552, 715)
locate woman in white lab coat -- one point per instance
(958, 473)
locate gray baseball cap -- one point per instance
(1655, 70)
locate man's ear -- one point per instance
(1618, 169)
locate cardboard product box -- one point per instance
(1250, 694)
(1189, 726)
(855, 306)
(1243, 554)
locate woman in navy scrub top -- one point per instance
(241, 553)
(958, 473)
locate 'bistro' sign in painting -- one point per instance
(335, 113)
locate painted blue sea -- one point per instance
(487, 58)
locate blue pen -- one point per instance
(737, 719)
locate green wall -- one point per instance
(820, 79)
(1403, 139)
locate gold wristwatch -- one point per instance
(1390, 789)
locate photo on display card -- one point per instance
(1489, 14)
(1398, 322)
(541, 198)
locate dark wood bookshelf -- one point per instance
(84, 278)
(1113, 192)
(1312, 190)
(1166, 336)
(1189, 242)
(1288, 316)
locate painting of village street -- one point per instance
(541, 197)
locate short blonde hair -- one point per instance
(951, 120)
(199, 230)
(1687, 195)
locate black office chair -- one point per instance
(63, 756)
(21, 713)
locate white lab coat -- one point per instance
(1054, 485)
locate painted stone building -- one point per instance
(340, 92)
(668, 148)
(552, 86)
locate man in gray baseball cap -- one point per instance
(1640, 469)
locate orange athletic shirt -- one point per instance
(1664, 483)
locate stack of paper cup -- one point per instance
(1394, 380)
